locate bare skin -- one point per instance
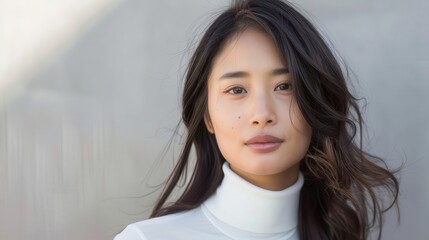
(250, 93)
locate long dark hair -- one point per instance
(341, 197)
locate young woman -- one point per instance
(273, 125)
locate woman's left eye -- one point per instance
(284, 87)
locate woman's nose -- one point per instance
(263, 113)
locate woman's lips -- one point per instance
(264, 143)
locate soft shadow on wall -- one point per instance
(79, 134)
(81, 130)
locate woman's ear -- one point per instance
(208, 123)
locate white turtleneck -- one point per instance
(237, 210)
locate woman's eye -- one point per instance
(284, 87)
(236, 90)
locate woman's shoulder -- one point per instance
(173, 226)
(140, 230)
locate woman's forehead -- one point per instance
(251, 49)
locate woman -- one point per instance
(273, 125)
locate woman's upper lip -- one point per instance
(263, 139)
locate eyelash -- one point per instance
(234, 88)
(286, 83)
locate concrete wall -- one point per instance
(80, 137)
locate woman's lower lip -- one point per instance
(264, 147)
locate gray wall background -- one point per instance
(79, 140)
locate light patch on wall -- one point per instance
(33, 32)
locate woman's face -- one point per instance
(258, 126)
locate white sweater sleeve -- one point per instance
(130, 233)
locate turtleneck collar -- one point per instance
(242, 205)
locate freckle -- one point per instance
(239, 117)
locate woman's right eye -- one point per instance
(236, 90)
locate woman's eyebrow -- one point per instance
(280, 71)
(241, 74)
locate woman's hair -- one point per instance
(341, 197)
